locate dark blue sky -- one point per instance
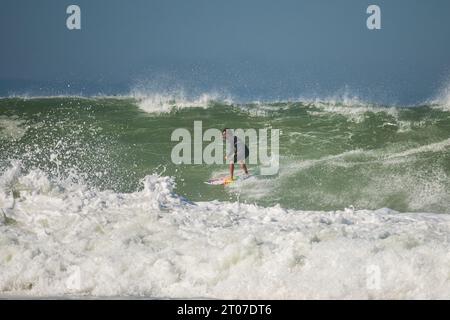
(248, 48)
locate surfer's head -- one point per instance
(224, 132)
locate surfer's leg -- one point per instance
(244, 167)
(242, 163)
(231, 170)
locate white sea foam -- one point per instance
(12, 128)
(59, 239)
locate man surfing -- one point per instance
(237, 151)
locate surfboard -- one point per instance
(226, 180)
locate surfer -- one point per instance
(238, 151)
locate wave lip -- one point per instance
(64, 239)
(166, 102)
(158, 103)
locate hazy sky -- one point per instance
(276, 48)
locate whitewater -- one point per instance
(154, 243)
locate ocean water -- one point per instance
(92, 204)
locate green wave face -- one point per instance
(332, 155)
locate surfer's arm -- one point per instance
(230, 157)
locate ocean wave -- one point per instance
(160, 103)
(62, 239)
(416, 182)
(355, 112)
(327, 161)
